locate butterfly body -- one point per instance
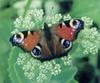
(48, 43)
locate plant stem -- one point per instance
(27, 7)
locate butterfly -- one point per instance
(50, 42)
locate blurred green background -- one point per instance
(11, 9)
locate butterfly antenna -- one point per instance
(45, 26)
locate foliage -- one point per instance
(19, 67)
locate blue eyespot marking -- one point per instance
(36, 51)
(66, 44)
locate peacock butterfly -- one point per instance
(50, 42)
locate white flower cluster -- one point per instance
(18, 22)
(87, 21)
(35, 70)
(89, 48)
(53, 19)
(48, 68)
(30, 67)
(35, 19)
(24, 23)
(67, 60)
(14, 31)
(30, 21)
(37, 14)
(22, 58)
(56, 18)
(56, 68)
(90, 40)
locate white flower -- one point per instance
(21, 59)
(29, 75)
(32, 20)
(14, 31)
(53, 19)
(67, 60)
(41, 78)
(67, 17)
(56, 68)
(56, 18)
(38, 14)
(18, 22)
(87, 21)
(29, 65)
(90, 40)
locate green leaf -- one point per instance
(15, 73)
(8, 13)
(3, 3)
(11, 62)
(73, 81)
(76, 51)
(86, 8)
(65, 76)
(5, 30)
